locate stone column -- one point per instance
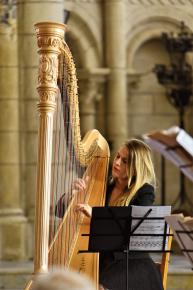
(115, 40)
(133, 82)
(87, 92)
(90, 93)
(29, 13)
(12, 220)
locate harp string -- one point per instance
(70, 161)
(65, 166)
(56, 187)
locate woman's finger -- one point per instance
(79, 184)
(84, 208)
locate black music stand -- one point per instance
(108, 222)
(116, 222)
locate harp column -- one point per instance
(115, 39)
(50, 37)
(30, 12)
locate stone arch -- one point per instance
(83, 41)
(149, 110)
(148, 28)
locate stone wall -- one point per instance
(116, 43)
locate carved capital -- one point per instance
(49, 42)
(91, 91)
(8, 12)
(91, 85)
(134, 78)
(48, 96)
(50, 37)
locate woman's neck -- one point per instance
(118, 191)
(121, 184)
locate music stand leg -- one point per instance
(127, 268)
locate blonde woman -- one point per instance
(132, 183)
(133, 178)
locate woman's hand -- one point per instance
(80, 185)
(101, 287)
(84, 208)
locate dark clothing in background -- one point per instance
(142, 271)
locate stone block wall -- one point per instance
(116, 43)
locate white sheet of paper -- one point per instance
(184, 240)
(186, 141)
(149, 243)
(170, 155)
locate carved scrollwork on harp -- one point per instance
(48, 70)
(49, 42)
(47, 97)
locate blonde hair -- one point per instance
(61, 279)
(140, 168)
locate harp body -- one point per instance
(92, 153)
(86, 263)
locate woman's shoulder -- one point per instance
(144, 196)
(146, 188)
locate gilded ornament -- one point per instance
(49, 42)
(47, 97)
(48, 69)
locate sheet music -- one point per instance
(184, 240)
(162, 148)
(186, 141)
(149, 243)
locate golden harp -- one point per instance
(62, 158)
